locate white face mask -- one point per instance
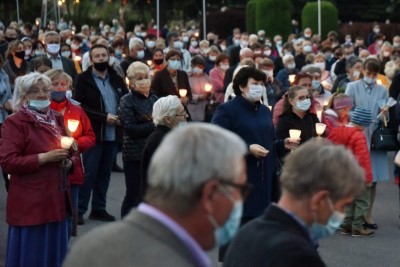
(291, 66)
(185, 39)
(53, 48)
(65, 53)
(386, 54)
(255, 92)
(140, 54)
(151, 44)
(224, 66)
(74, 46)
(356, 74)
(269, 73)
(267, 53)
(212, 58)
(194, 43)
(320, 65)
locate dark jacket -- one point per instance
(292, 121)
(126, 62)
(88, 94)
(394, 112)
(253, 123)
(150, 147)
(274, 239)
(135, 112)
(162, 84)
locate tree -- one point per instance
(329, 17)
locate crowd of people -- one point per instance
(70, 101)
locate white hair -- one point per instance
(286, 58)
(165, 106)
(134, 41)
(23, 85)
(136, 67)
(188, 158)
(244, 50)
(51, 33)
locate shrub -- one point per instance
(274, 16)
(251, 16)
(329, 17)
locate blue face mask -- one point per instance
(315, 84)
(39, 104)
(224, 234)
(174, 64)
(118, 53)
(303, 105)
(319, 231)
(58, 96)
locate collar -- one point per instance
(99, 77)
(51, 57)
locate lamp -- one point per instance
(294, 134)
(182, 92)
(66, 142)
(291, 78)
(208, 87)
(72, 125)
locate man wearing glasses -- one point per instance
(314, 195)
(196, 187)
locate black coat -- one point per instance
(88, 94)
(292, 121)
(150, 147)
(274, 239)
(162, 84)
(135, 111)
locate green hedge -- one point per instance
(251, 16)
(329, 17)
(274, 16)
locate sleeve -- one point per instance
(87, 139)
(80, 96)
(12, 146)
(282, 129)
(228, 78)
(216, 82)
(278, 108)
(155, 86)
(350, 92)
(129, 123)
(222, 118)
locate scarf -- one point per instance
(45, 119)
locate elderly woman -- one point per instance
(252, 121)
(83, 133)
(296, 115)
(15, 65)
(168, 113)
(135, 114)
(38, 202)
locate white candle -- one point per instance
(208, 87)
(66, 142)
(182, 92)
(379, 81)
(319, 115)
(294, 133)
(73, 125)
(320, 128)
(149, 62)
(127, 81)
(77, 58)
(291, 78)
(270, 108)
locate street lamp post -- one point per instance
(158, 18)
(204, 20)
(17, 1)
(319, 18)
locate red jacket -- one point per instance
(354, 140)
(83, 135)
(331, 119)
(37, 194)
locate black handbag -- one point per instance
(384, 139)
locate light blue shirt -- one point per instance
(110, 102)
(56, 62)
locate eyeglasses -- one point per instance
(244, 189)
(301, 98)
(37, 91)
(183, 114)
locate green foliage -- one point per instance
(329, 17)
(251, 16)
(274, 16)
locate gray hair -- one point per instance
(23, 85)
(165, 106)
(134, 41)
(136, 67)
(320, 165)
(51, 33)
(188, 158)
(286, 58)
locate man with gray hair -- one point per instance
(168, 113)
(318, 180)
(197, 183)
(136, 53)
(52, 44)
(288, 70)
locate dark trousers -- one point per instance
(133, 183)
(97, 163)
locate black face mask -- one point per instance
(101, 66)
(10, 39)
(158, 61)
(20, 54)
